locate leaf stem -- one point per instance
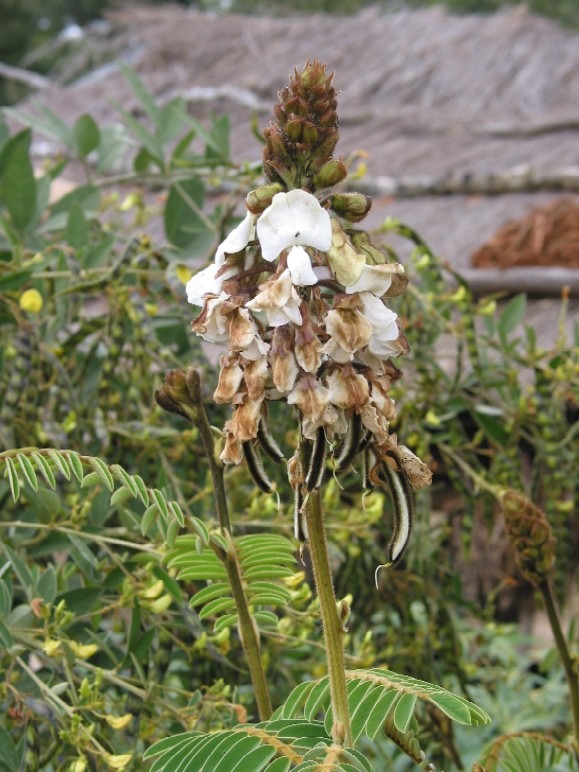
(247, 632)
(332, 626)
(570, 674)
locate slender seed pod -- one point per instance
(367, 459)
(403, 507)
(255, 467)
(367, 438)
(300, 523)
(268, 443)
(317, 461)
(351, 445)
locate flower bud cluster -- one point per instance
(299, 144)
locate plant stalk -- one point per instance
(570, 675)
(248, 633)
(331, 623)
(215, 468)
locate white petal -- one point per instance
(237, 240)
(375, 278)
(294, 218)
(300, 267)
(379, 316)
(206, 283)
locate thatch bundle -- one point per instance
(549, 235)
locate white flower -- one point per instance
(237, 240)
(206, 282)
(293, 219)
(384, 327)
(375, 279)
(300, 267)
(279, 300)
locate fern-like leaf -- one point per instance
(25, 464)
(375, 696)
(263, 560)
(530, 751)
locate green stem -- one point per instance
(215, 468)
(571, 676)
(246, 625)
(247, 632)
(332, 626)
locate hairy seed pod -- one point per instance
(255, 467)
(351, 444)
(300, 523)
(268, 443)
(317, 461)
(403, 509)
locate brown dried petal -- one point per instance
(283, 362)
(308, 349)
(229, 382)
(255, 375)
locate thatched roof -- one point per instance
(425, 93)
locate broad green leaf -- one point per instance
(182, 212)
(17, 183)
(144, 96)
(512, 315)
(80, 601)
(76, 233)
(46, 585)
(121, 496)
(86, 135)
(6, 640)
(148, 519)
(5, 599)
(8, 753)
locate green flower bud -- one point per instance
(331, 173)
(259, 199)
(351, 206)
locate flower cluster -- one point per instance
(298, 296)
(300, 335)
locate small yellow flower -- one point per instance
(129, 202)
(161, 604)
(488, 308)
(295, 580)
(431, 418)
(153, 591)
(83, 651)
(51, 647)
(119, 722)
(118, 761)
(31, 301)
(184, 273)
(78, 765)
